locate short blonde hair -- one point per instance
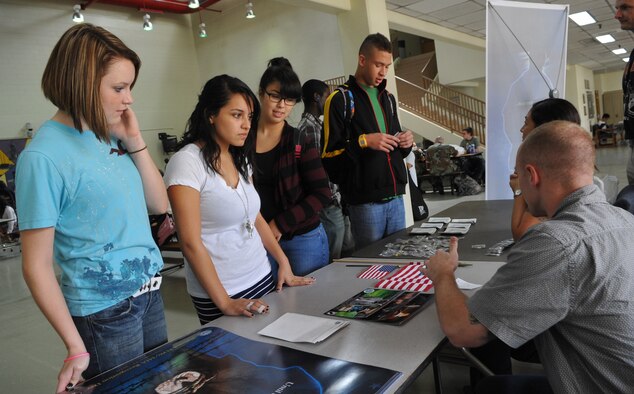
(72, 77)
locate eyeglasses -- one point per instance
(276, 98)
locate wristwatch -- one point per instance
(363, 143)
(517, 192)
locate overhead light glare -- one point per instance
(626, 59)
(250, 14)
(619, 51)
(147, 24)
(202, 30)
(604, 39)
(193, 4)
(77, 16)
(582, 18)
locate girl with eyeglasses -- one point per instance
(289, 177)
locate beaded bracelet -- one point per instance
(77, 356)
(137, 151)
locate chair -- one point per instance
(625, 199)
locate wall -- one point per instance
(452, 60)
(164, 93)
(576, 89)
(607, 82)
(308, 38)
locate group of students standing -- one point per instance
(246, 189)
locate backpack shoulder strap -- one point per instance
(348, 108)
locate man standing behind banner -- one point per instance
(625, 15)
(364, 148)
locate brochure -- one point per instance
(380, 305)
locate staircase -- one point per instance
(421, 95)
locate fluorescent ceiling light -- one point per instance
(619, 51)
(604, 39)
(626, 59)
(582, 18)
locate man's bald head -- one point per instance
(562, 150)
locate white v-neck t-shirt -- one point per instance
(240, 259)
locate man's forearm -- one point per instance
(453, 314)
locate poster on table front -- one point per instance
(213, 360)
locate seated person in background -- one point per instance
(541, 112)
(8, 213)
(568, 284)
(440, 163)
(603, 123)
(472, 166)
(216, 208)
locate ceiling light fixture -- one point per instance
(193, 4)
(626, 59)
(147, 24)
(604, 39)
(77, 16)
(202, 30)
(619, 51)
(582, 18)
(250, 14)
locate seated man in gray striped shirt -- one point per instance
(568, 283)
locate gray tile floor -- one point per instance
(32, 352)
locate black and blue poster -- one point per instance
(213, 360)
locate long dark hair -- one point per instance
(280, 70)
(216, 94)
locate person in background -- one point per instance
(439, 156)
(541, 112)
(577, 268)
(335, 222)
(8, 214)
(84, 187)
(364, 149)
(625, 15)
(222, 234)
(473, 166)
(289, 176)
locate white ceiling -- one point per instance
(468, 16)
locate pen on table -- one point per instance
(358, 265)
(461, 264)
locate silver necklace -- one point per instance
(247, 223)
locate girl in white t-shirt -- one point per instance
(223, 236)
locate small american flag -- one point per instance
(408, 278)
(377, 271)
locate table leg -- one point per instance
(437, 378)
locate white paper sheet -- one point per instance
(295, 327)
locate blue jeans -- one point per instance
(373, 221)
(332, 220)
(122, 332)
(307, 252)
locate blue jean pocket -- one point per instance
(114, 313)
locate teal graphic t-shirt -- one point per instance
(91, 193)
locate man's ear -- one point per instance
(534, 175)
(361, 60)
